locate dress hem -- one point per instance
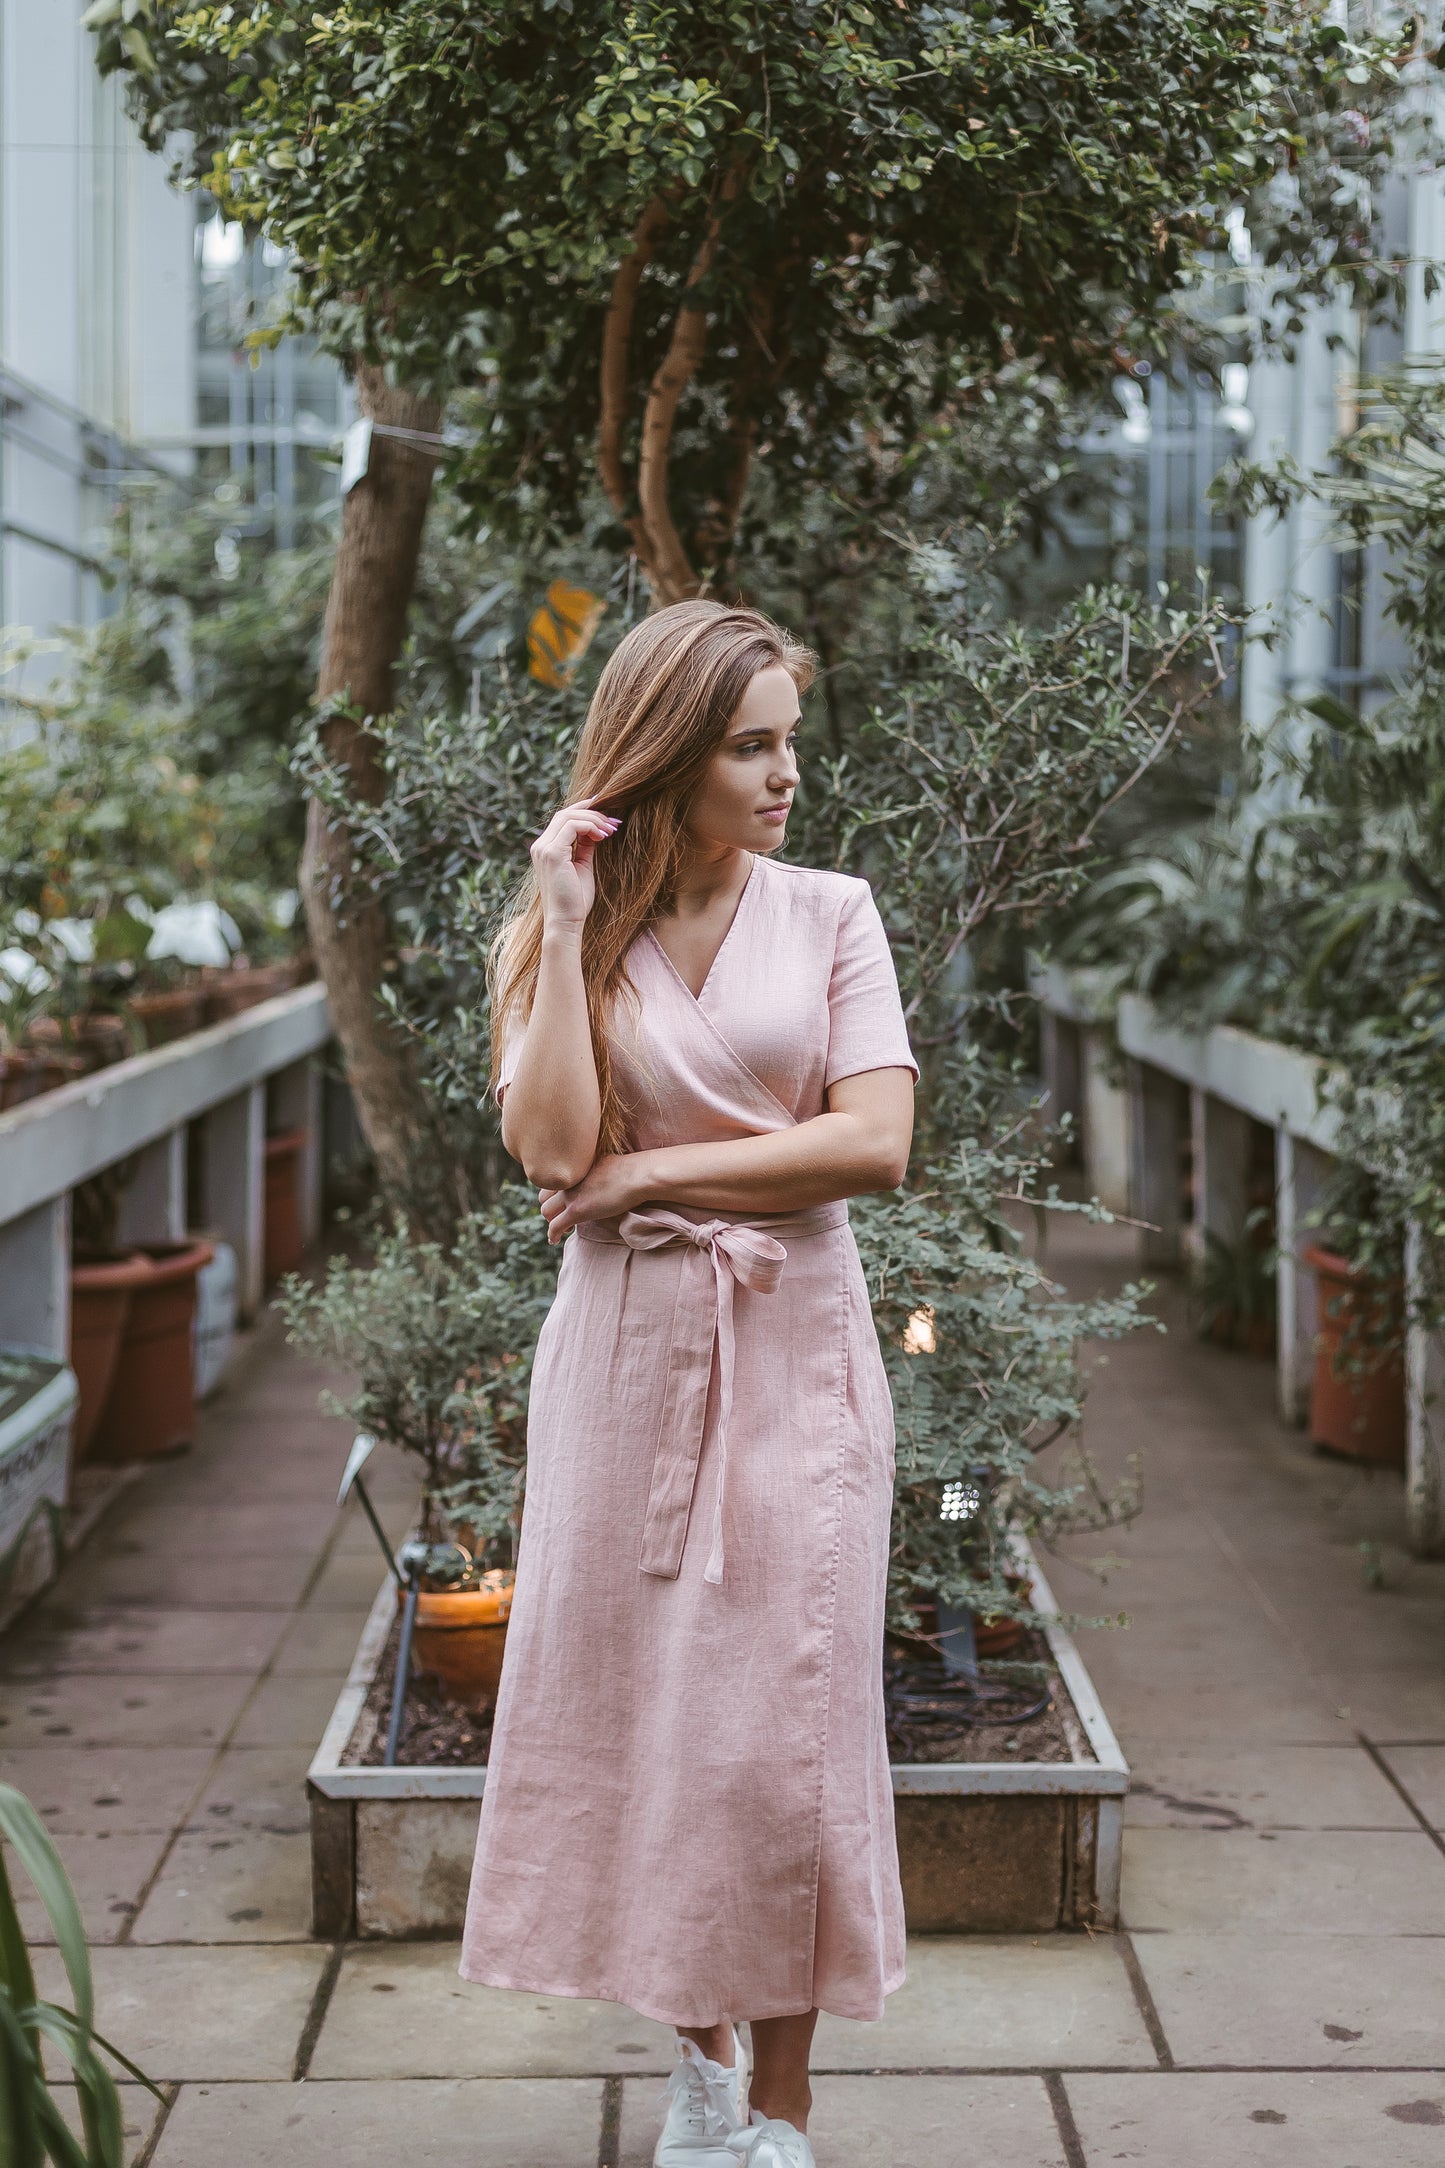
(478, 1976)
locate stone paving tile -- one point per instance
(155, 1710)
(1270, 1705)
(1145, 1582)
(301, 1477)
(1240, 1633)
(133, 1642)
(1293, 2120)
(139, 2112)
(1299, 1882)
(1181, 1786)
(290, 1711)
(357, 1539)
(1248, 1666)
(1421, 1769)
(476, 2123)
(898, 2123)
(241, 1870)
(107, 1875)
(1393, 1706)
(145, 1523)
(1403, 1632)
(110, 1790)
(238, 1886)
(400, 2010)
(252, 1581)
(1298, 1999)
(321, 1641)
(974, 2002)
(348, 1581)
(227, 2013)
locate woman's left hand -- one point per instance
(611, 1187)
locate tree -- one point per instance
(674, 240)
(969, 785)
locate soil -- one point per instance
(436, 1734)
(1020, 1711)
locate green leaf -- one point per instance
(22, 1828)
(22, 2093)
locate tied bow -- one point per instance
(735, 1253)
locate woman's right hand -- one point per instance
(562, 862)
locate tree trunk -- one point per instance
(366, 611)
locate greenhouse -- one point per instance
(722, 1084)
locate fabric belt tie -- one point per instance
(718, 1255)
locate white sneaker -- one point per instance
(766, 2143)
(704, 2109)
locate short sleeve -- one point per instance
(513, 1038)
(865, 1015)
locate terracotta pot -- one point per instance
(991, 1637)
(997, 1636)
(171, 1015)
(95, 1041)
(1001, 1636)
(285, 1244)
(1359, 1414)
(461, 1637)
(227, 993)
(100, 1296)
(26, 1073)
(152, 1404)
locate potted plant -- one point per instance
(132, 1329)
(284, 1243)
(34, 2128)
(440, 1338)
(117, 830)
(1357, 1399)
(1234, 1285)
(25, 992)
(244, 985)
(169, 1001)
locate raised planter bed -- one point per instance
(986, 1847)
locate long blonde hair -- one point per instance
(662, 707)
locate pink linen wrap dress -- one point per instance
(688, 1807)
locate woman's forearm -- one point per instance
(819, 1161)
(552, 1108)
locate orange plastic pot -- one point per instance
(100, 1297)
(461, 1638)
(284, 1242)
(151, 1409)
(1358, 1413)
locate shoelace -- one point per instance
(770, 2145)
(710, 2104)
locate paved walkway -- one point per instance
(1277, 2002)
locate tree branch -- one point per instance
(617, 352)
(668, 565)
(759, 369)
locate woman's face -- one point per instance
(742, 802)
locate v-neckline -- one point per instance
(696, 998)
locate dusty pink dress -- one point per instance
(688, 1807)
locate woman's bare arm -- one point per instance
(552, 1108)
(859, 1145)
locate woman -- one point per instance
(699, 1056)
